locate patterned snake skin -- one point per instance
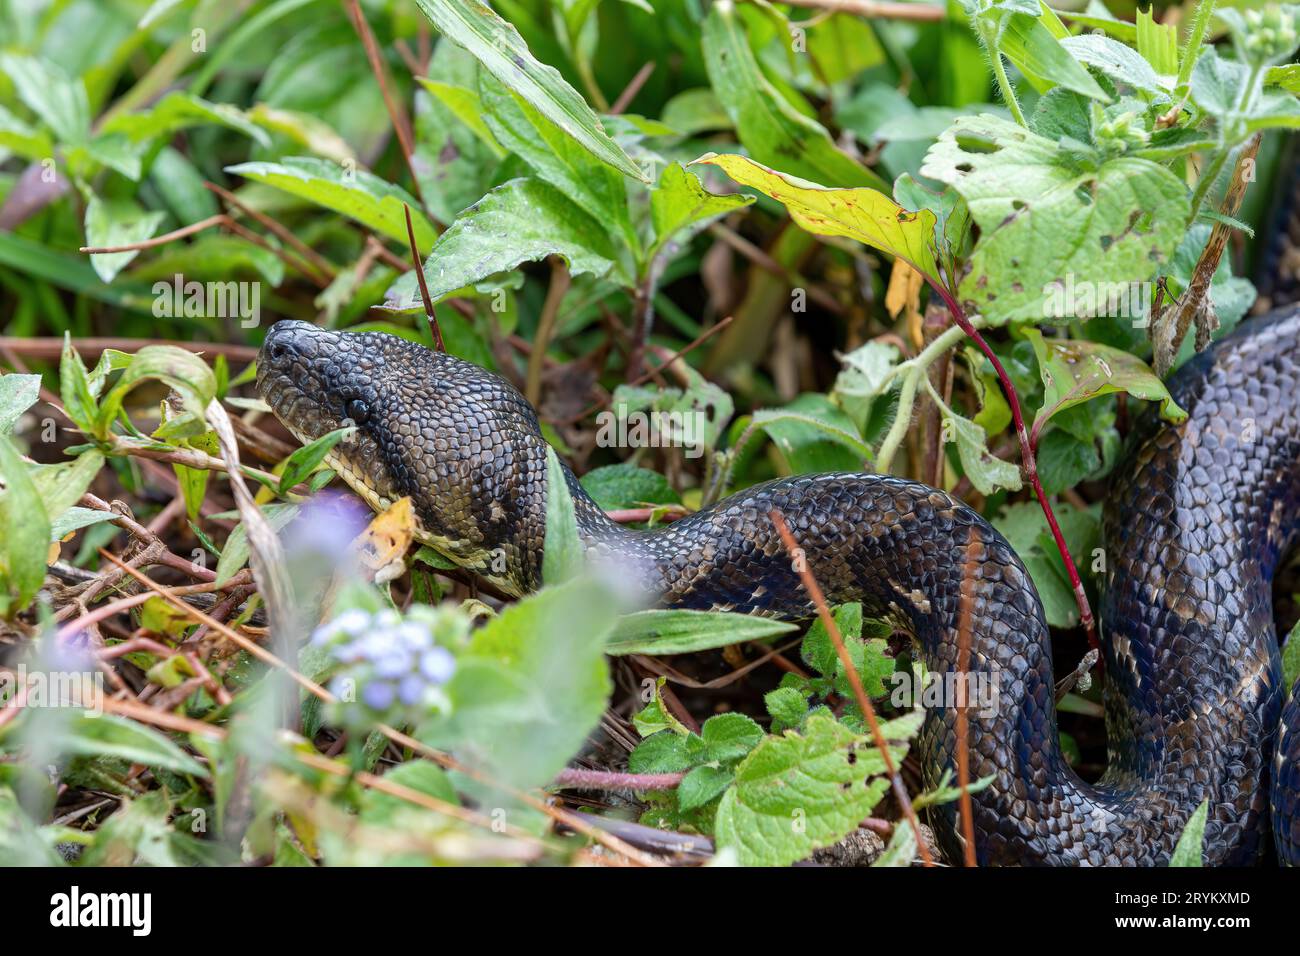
(1197, 521)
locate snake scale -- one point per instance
(1198, 518)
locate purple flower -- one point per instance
(437, 665)
(378, 694)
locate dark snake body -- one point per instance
(1195, 526)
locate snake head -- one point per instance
(460, 441)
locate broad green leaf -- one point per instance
(1112, 224)
(702, 785)
(1117, 60)
(556, 157)
(531, 685)
(787, 706)
(422, 776)
(304, 129)
(798, 792)
(117, 222)
(1188, 850)
(58, 100)
(799, 430)
(699, 111)
(1025, 527)
(467, 107)
(498, 46)
(863, 214)
(1075, 371)
(24, 534)
(729, 737)
(304, 460)
(17, 394)
(685, 632)
(627, 486)
(1030, 45)
(24, 139)
(354, 193)
(187, 374)
(562, 551)
(22, 842)
(681, 204)
(523, 220)
(1286, 76)
(985, 471)
(770, 129)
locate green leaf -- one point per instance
(117, 222)
(26, 534)
(187, 374)
(702, 785)
(627, 486)
(498, 46)
(1025, 527)
(681, 204)
(685, 632)
(235, 553)
(863, 214)
(304, 460)
(56, 98)
(770, 129)
(179, 110)
(61, 485)
(1157, 42)
(985, 471)
(354, 193)
(108, 735)
(523, 220)
(1291, 659)
(1117, 60)
(663, 752)
(17, 394)
(1030, 45)
(798, 792)
(74, 519)
(422, 776)
(1188, 850)
(556, 157)
(562, 552)
(792, 430)
(787, 707)
(1074, 372)
(1111, 224)
(729, 737)
(467, 107)
(531, 685)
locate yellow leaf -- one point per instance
(859, 213)
(904, 293)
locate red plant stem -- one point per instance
(575, 778)
(1028, 463)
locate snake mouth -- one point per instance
(289, 378)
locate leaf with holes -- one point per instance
(1049, 227)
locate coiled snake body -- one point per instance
(1197, 521)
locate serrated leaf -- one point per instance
(863, 214)
(627, 486)
(1111, 224)
(498, 46)
(798, 792)
(1025, 528)
(685, 632)
(985, 471)
(354, 193)
(1117, 60)
(729, 737)
(702, 785)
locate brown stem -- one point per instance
(419, 279)
(855, 680)
(878, 9)
(574, 778)
(546, 328)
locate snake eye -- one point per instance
(357, 410)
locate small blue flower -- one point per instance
(410, 690)
(437, 664)
(378, 694)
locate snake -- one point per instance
(1197, 520)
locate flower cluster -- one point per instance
(1270, 33)
(391, 667)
